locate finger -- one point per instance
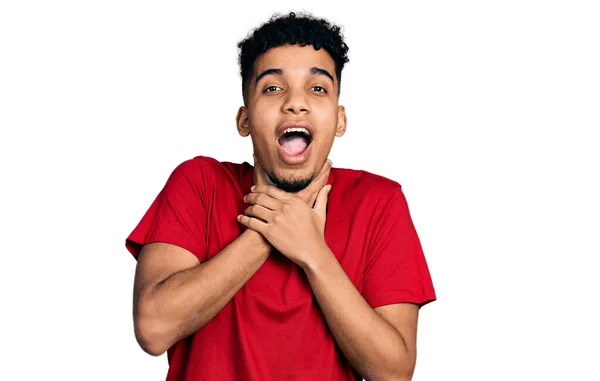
(272, 191)
(253, 223)
(321, 203)
(262, 199)
(260, 212)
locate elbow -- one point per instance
(402, 378)
(397, 377)
(391, 378)
(402, 371)
(399, 374)
(405, 375)
(150, 337)
(402, 375)
(405, 366)
(150, 333)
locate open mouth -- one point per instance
(295, 140)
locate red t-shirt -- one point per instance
(273, 328)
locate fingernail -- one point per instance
(252, 188)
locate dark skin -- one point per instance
(380, 342)
(295, 94)
(175, 294)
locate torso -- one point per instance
(273, 328)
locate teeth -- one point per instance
(297, 129)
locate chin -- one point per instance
(293, 180)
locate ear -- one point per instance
(341, 124)
(241, 121)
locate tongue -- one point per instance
(293, 145)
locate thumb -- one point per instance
(321, 203)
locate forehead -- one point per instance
(294, 59)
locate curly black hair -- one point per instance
(304, 29)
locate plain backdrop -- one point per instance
(487, 113)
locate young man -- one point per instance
(315, 273)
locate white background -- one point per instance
(487, 114)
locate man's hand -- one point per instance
(295, 229)
(287, 221)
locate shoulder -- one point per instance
(206, 169)
(197, 165)
(363, 183)
(199, 176)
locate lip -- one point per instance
(299, 159)
(290, 124)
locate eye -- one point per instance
(319, 89)
(270, 89)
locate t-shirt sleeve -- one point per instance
(177, 215)
(396, 270)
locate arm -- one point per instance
(379, 343)
(175, 294)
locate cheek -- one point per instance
(263, 121)
(327, 139)
(265, 114)
(267, 106)
(326, 111)
(328, 118)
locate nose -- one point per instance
(296, 102)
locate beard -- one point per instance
(293, 184)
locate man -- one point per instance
(288, 269)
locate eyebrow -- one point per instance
(269, 72)
(319, 71)
(313, 71)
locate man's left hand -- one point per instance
(294, 228)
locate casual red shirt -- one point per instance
(273, 328)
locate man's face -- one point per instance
(292, 113)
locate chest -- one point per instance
(347, 234)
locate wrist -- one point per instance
(257, 239)
(317, 259)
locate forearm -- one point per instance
(373, 347)
(187, 300)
